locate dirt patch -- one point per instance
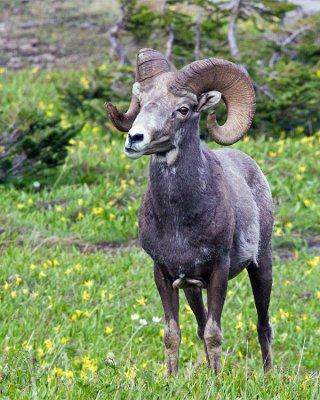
(54, 33)
(107, 247)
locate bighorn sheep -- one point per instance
(206, 215)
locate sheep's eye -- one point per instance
(183, 110)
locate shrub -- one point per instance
(34, 147)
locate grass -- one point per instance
(84, 324)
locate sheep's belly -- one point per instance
(190, 261)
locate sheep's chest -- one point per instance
(182, 249)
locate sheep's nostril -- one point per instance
(134, 138)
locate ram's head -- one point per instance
(164, 101)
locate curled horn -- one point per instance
(150, 63)
(233, 82)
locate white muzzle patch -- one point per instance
(134, 148)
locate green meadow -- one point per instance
(81, 316)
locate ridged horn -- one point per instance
(233, 82)
(150, 63)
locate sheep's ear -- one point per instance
(208, 99)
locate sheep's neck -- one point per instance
(179, 188)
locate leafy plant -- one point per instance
(34, 148)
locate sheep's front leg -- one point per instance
(172, 336)
(217, 290)
(195, 300)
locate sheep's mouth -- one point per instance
(132, 153)
(130, 150)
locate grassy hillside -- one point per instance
(81, 317)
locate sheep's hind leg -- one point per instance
(261, 283)
(172, 335)
(195, 300)
(217, 290)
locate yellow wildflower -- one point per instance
(299, 129)
(239, 325)
(302, 169)
(65, 124)
(58, 208)
(7, 286)
(318, 73)
(286, 282)
(280, 150)
(85, 295)
(188, 308)
(318, 295)
(40, 352)
(141, 301)
(88, 283)
(2, 70)
(289, 225)
(20, 206)
(96, 129)
(131, 373)
(298, 328)
(295, 253)
(314, 261)
(13, 294)
(97, 210)
(306, 202)
(112, 216)
(84, 82)
(49, 114)
(69, 374)
(77, 267)
(83, 375)
(252, 325)
(48, 344)
(80, 202)
(30, 202)
(298, 177)
(240, 354)
(283, 314)
(64, 339)
(109, 329)
(278, 232)
(161, 332)
(272, 154)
